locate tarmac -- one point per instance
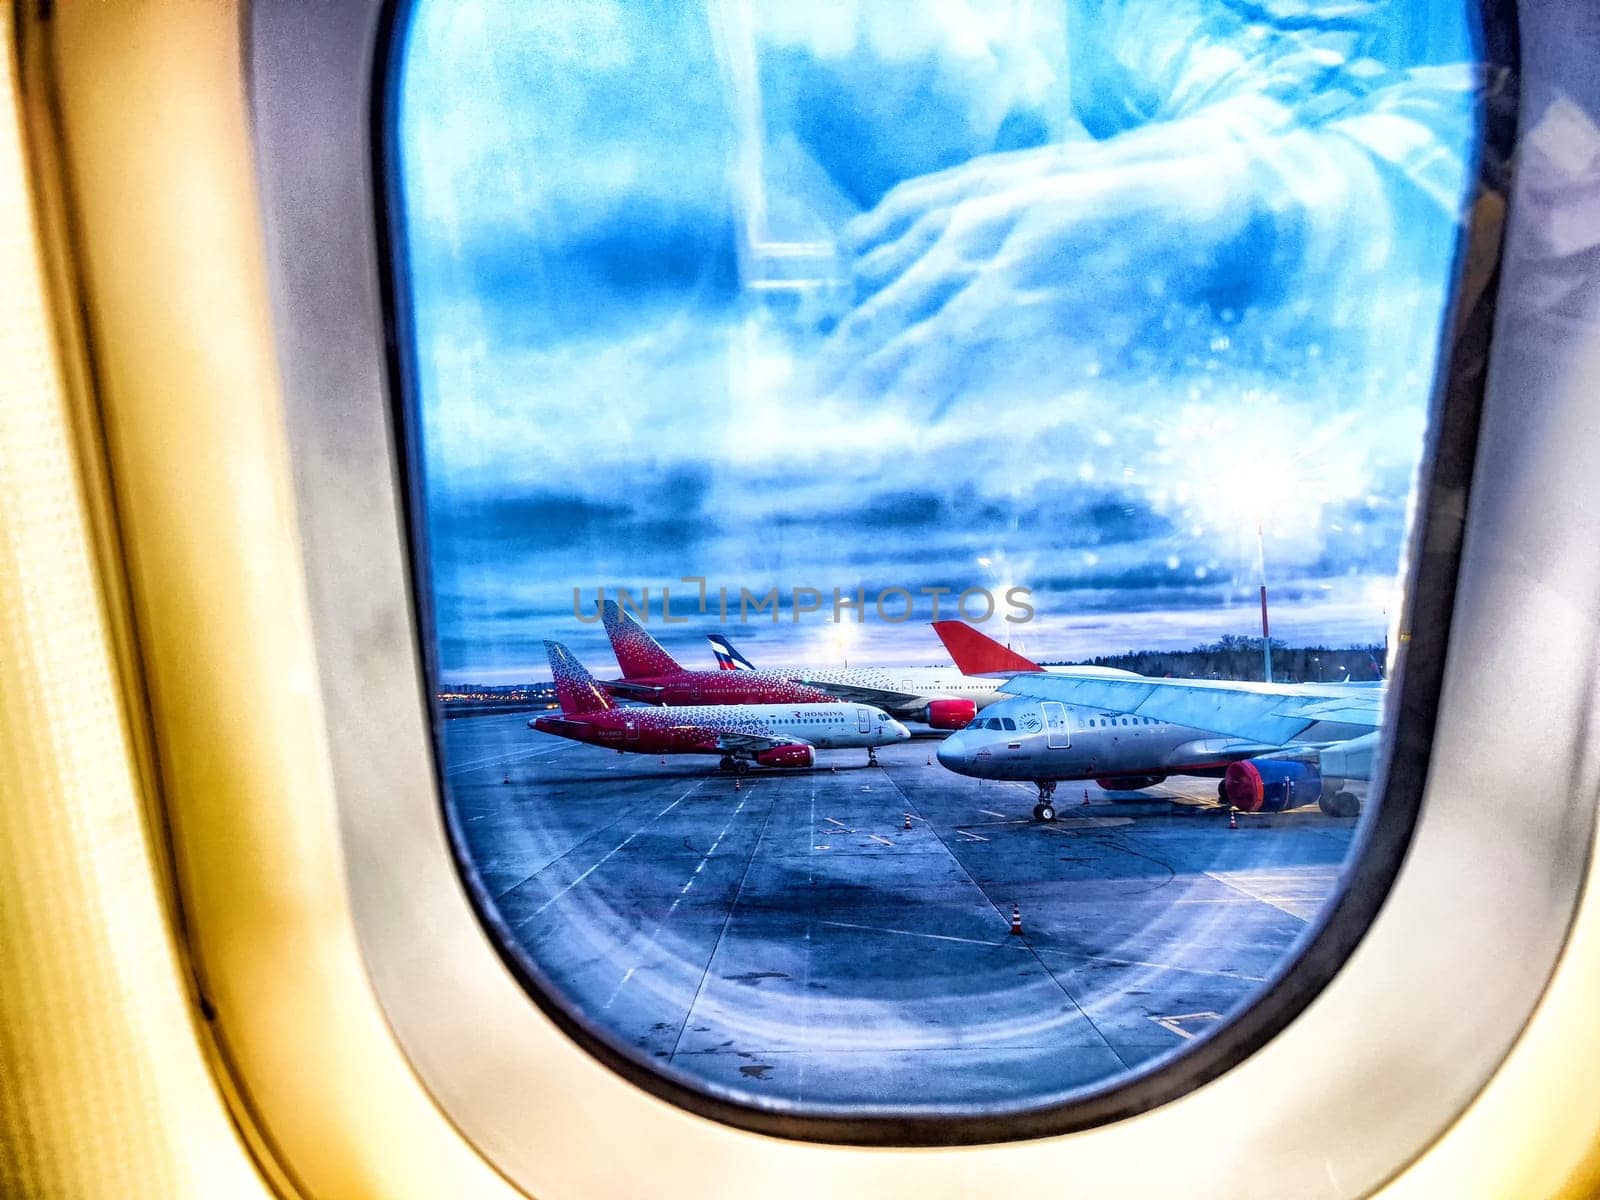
(789, 943)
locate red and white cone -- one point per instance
(736, 784)
(1085, 797)
(1016, 921)
(507, 779)
(1233, 819)
(908, 820)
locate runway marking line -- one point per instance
(989, 812)
(1231, 879)
(938, 937)
(876, 838)
(596, 866)
(507, 758)
(1171, 1024)
(974, 836)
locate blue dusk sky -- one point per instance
(867, 295)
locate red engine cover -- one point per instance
(1242, 782)
(950, 714)
(796, 754)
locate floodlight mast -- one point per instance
(1266, 631)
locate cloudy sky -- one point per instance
(954, 295)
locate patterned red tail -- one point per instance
(576, 689)
(638, 654)
(978, 654)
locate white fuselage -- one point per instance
(1027, 739)
(825, 726)
(931, 683)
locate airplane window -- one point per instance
(715, 317)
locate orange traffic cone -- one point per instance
(736, 783)
(1233, 819)
(507, 779)
(1085, 796)
(908, 820)
(1016, 921)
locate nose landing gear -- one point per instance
(872, 756)
(1045, 810)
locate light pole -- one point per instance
(1266, 631)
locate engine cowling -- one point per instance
(948, 714)
(1271, 784)
(796, 754)
(1129, 783)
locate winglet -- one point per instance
(978, 654)
(576, 689)
(728, 659)
(638, 654)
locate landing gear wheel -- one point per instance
(872, 757)
(727, 763)
(1045, 810)
(1342, 804)
(1222, 791)
(740, 767)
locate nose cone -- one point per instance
(901, 733)
(952, 754)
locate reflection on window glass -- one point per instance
(794, 382)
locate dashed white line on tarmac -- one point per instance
(974, 836)
(831, 821)
(876, 838)
(989, 812)
(683, 891)
(602, 862)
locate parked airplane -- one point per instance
(771, 735)
(652, 675)
(1275, 745)
(939, 697)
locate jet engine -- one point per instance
(796, 754)
(948, 714)
(1129, 783)
(1271, 784)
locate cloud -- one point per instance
(608, 397)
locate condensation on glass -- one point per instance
(752, 340)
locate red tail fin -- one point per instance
(978, 654)
(576, 689)
(638, 654)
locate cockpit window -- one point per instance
(959, 371)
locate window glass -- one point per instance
(1076, 347)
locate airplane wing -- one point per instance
(732, 742)
(633, 691)
(559, 724)
(855, 693)
(1268, 713)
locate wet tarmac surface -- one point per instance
(790, 942)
